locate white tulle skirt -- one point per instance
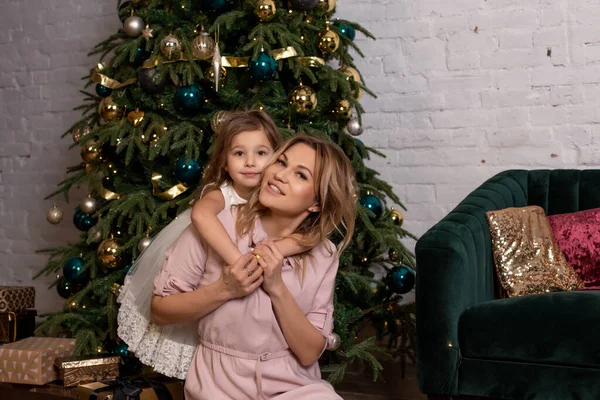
(168, 349)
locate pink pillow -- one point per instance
(578, 236)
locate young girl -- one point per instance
(245, 142)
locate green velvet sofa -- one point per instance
(472, 342)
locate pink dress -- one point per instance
(242, 353)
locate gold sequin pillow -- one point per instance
(527, 257)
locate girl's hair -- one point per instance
(335, 184)
(234, 123)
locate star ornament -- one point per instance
(147, 33)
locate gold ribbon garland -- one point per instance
(97, 77)
(109, 195)
(168, 194)
(310, 62)
(230, 61)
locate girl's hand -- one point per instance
(243, 277)
(270, 259)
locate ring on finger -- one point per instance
(257, 256)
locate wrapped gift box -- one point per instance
(16, 298)
(75, 371)
(31, 361)
(149, 389)
(17, 325)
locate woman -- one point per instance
(265, 321)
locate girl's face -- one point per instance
(247, 156)
(288, 185)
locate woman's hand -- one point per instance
(270, 259)
(243, 277)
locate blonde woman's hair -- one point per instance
(234, 123)
(335, 184)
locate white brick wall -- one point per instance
(468, 88)
(456, 104)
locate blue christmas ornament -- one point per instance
(217, 6)
(83, 221)
(65, 288)
(74, 272)
(346, 30)
(102, 90)
(189, 99)
(401, 279)
(141, 55)
(263, 67)
(121, 349)
(360, 148)
(372, 203)
(188, 173)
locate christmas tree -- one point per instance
(165, 81)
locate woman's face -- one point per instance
(288, 185)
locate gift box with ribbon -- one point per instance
(17, 325)
(161, 388)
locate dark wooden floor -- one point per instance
(357, 386)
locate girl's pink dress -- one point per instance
(242, 352)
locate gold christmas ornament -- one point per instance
(203, 46)
(170, 46)
(115, 289)
(325, 6)
(108, 110)
(393, 255)
(80, 132)
(135, 117)
(54, 215)
(147, 33)
(210, 75)
(341, 108)
(353, 74)
(329, 41)
(265, 10)
(90, 151)
(216, 119)
(302, 99)
(397, 217)
(107, 253)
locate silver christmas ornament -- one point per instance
(170, 46)
(133, 26)
(89, 205)
(335, 343)
(216, 65)
(144, 244)
(54, 215)
(95, 235)
(203, 46)
(354, 128)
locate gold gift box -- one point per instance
(16, 298)
(75, 371)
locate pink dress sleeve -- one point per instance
(321, 314)
(184, 265)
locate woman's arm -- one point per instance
(205, 221)
(191, 306)
(305, 341)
